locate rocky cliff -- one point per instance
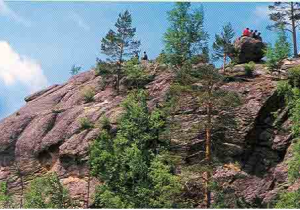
(45, 135)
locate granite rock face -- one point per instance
(248, 49)
(45, 135)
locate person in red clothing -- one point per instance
(246, 32)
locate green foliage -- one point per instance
(249, 68)
(75, 70)
(223, 46)
(88, 94)
(5, 196)
(47, 192)
(105, 123)
(281, 50)
(294, 76)
(162, 58)
(294, 163)
(130, 164)
(119, 45)
(186, 36)
(289, 200)
(136, 77)
(85, 123)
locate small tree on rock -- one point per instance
(281, 50)
(119, 45)
(223, 44)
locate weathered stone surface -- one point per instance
(248, 49)
(45, 135)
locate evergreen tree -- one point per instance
(75, 70)
(119, 45)
(286, 14)
(186, 36)
(213, 99)
(47, 192)
(280, 51)
(223, 44)
(131, 164)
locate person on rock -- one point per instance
(145, 57)
(251, 33)
(258, 37)
(254, 35)
(246, 32)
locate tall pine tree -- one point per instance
(286, 15)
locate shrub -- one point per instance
(105, 123)
(294, 76)
(162, 58)
(294, 163)
(47, 192)
(136, 77)
(85, 123)
(289, 200)
(249, 68)
(5, 196)
(88, 94)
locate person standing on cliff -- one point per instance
(246, 32)
(145, 57)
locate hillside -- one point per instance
(46, 134)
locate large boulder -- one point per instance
(248, 49)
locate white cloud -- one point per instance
(79, 21)
(260, 14)
(16, 69)
(6, 11)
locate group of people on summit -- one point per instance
(252, 34)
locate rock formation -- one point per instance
(248, 49)
(45, 135)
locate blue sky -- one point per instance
(40, 41)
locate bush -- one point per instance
(249, 68)
(162, 58)
(289, 200)
(85, 123)
(5, 196)
(105, 123)
(47, 192)
(294, 163)
(88, 94)
(294, 76)
(136, 77)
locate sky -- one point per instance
(41, 41)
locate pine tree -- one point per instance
(131, 164)
(213, 99)
(280, 51)
(223, 44)
(286, 14)
(185, 37)
(119, 45)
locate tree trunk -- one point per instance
(224, 62)
(207, 176)
(88, 190)
(294, 31)
(22, 191)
